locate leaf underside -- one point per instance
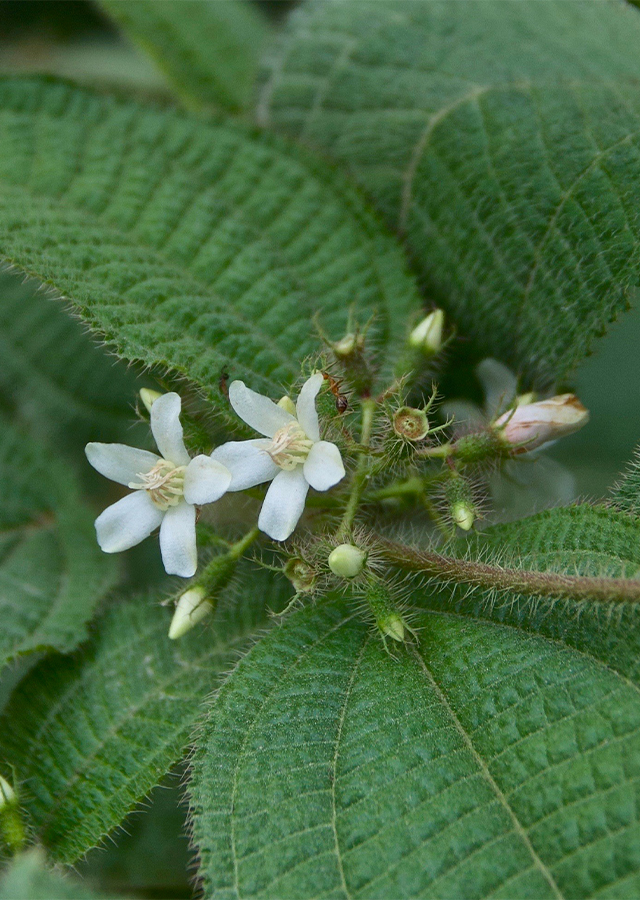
(192, 246)
(503, 141)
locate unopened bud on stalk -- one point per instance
(533, 424)
(410, 424)
(193, 607)
(348, 345)
(149, 397)
(427, 335)
(11, 827)
(287, 404)
(347, 560)
(301, 575)
(387, 618)
(461, 506)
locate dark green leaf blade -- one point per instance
(208, 50)
(490, 764)
(52, 572)
(502, 139)
(90, 735)
(189, 245)
(626, 493)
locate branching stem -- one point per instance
(362, 475)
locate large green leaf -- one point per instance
(626, 493)
(52, 573)
(56, 378)
(208, 50)
(488, 763)
(190, 245)
(90, 735)
(501, 138)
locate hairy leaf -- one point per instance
(52, 573)
(503, 140)
(90, 735)
(55, 377)
(190, 245)
(28, 878)
(486, 763)
(626, 493)
(208, 50)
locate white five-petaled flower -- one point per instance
(291, 455)
(166, 490)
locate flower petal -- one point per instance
(205, 480)
(323, 467)
(127, 522)
(306, 406)
(178, 540)
(284, 504)
(167, 430)
(259, 412)
(247, 461)
(499, 383)
(119, 462)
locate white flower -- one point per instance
(292, 457)
(166, 490)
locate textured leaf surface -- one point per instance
(190, 245)
(491, 763)
(208, 50)
(28, 878)
(52, 573)
(626, 493)
(56, 377)
(502, 139)
(90, 735)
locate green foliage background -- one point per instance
(484, 157)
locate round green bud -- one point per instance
(463, 514)
(347, 560)
(410, 424)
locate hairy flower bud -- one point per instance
(531, 425)
(347, 560)
(149, 397)
(12, 830)
(427, 335)
(410, 424)
(463, 514)
(193, 606)
(7, 794)
(348, 345)
(385, 612)
(460, 499)
(301, 574)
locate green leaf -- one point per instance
(190, 245)
(28, 878)
(490, 763)
(626, 493)
(52, 572)
(55, 377)
(208, 50)
(503, 140)
(90, 735)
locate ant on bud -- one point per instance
(342, 403)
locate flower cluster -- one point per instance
(168, 487)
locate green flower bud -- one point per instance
(7, 794)
(193, 607)
(427, 335)
(347, 560)
(348, 345)
(301, 575)
(149, 397)
(11, 827)
(387, 618)
(463, 514)
(410, 424)
(461, 505)
(287, 404)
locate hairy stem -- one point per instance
(521, 581)
(362, 475)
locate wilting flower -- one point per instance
(291, 456)
(166, 490)
(531, 425)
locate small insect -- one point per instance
(223, 383)
(342, 403)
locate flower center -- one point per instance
(289, 446)
(164, 483)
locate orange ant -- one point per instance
(342, 404)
